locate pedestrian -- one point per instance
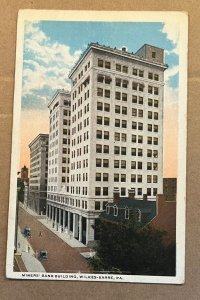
(29, 249)
(40, 234)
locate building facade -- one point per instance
(116, 133)
(38, 173)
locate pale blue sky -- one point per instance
(52, 47)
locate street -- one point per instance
(61, 257)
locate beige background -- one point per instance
(15, 289)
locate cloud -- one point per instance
(170, 72)
(46, 66)
(172, 31)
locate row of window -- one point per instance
(125, 69)
(103, 191)
(122, 150)
(85, 68)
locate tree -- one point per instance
(132, 249)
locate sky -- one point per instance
(51, 48)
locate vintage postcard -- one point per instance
(98, 171)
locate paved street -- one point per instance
(61, 257)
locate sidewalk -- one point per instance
(31, 263)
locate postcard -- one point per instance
(98, 167)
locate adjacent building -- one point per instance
(116, 135)
(38, 173)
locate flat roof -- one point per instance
(40, 135)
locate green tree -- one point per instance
(132, 249)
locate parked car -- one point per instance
(43, 254)
(27, 232)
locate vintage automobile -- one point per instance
(27, 232)
(43, 254)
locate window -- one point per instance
(97, 191)
(133, 164)
(117, 122)
(134, 86)
(134, 72)
(116, 164)
(99, 92)
(149, 166)
(149, 140)
(107, 93)
(107, 80)
(118, 82)
(155, 116)
(106, 135)
(140, 100)
(107, 64)
(124, 110)
(123, 137)
(140, 152)
(155, 103)
(149, 153)
(117, 109)
(133, 138)
(134, 99)
(139, 165)
(139, 178)
(123, 164)
(150, 114)
(140, 126)
(106, 121)
(148, 191)
(150, 102)
(116, 150)
(99, 106)
(100, 63)
(155, 128)
(105, 191)
(155, 178)
(150, 75)
(149, 127)
(116, 177)
(140, 113)
(134, 125)
(133, 178)
(155, 191)
(125, 83)
(98, 162)
(105, 163)
(125, 69)
(124, 97)
(117, 95)
(133, 151)
(105, 176)
(99, 120)
(124, 124)
(153, 54)
(123, 150)
(123, 192)
(106, 107)
(98, 176)
(100, 78)
(148, 178)
(98, 148)
(156, 77)
(117, 136)
(105, 149)
(115, 211)
(134, 112)
(141, 73)
(139, 191)
(123, 177)
(155, 153)
(150, 89)
(97, 205)
(118, 67)
(99, 134)
(155, 141)
(141, 87)
(155, 166)
(156, 91)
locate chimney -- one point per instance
(131, 194)
(124, 49)
(145, 197)
(116, 197)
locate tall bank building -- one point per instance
(106, 136)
